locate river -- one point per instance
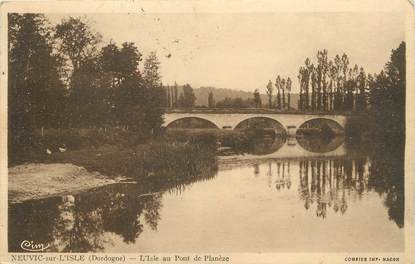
(289, 196)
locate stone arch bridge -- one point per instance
(226, 119)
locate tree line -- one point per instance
(187, 99)
(175, 99)
(386, 100)
(65, 76)
(332, 85)
(283, 88)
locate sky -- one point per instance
(243, 51)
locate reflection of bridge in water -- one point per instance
(292, 150)
(231, 118)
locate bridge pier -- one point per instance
(291, 130)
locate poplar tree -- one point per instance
(278, 86)
(288, 85)
(211, 100)
(270, 91)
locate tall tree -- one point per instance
(283, 87)
(332, 85)
(323, 69)
(361, 100)
(257, 99)
(154, 92)
(129, 59)
(304, 79)
(136, 100)
(288, 86)
(168, 96)
(387, 99)
(321, 72)
(77, 41)
(110, 64)
(35, 90)
(313, 80)
(337, 79)
(270, 91)
(345, 71)
(278, 86)
(187, 98)
(151, 70)
(307, 83)
(87, 102)
(211, 100)
(175, 95)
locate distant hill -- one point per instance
(202, 95)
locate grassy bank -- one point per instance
(121, 153)
(73, 139)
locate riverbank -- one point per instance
(51, 170)
(36, 180)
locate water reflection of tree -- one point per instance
(279, 174)
(387, 179)
(256, 170)
(76, 228)
(80, 223)
(330, 183)
(38, 217)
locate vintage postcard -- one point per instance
(207, 131)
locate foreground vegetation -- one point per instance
(122, 153)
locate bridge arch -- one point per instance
(189, 118)
(267, 121)
(334, 124)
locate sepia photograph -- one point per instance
(153, 131)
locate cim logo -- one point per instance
(33, 247)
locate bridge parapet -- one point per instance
(252, 111)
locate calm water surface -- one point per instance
(294, 196)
